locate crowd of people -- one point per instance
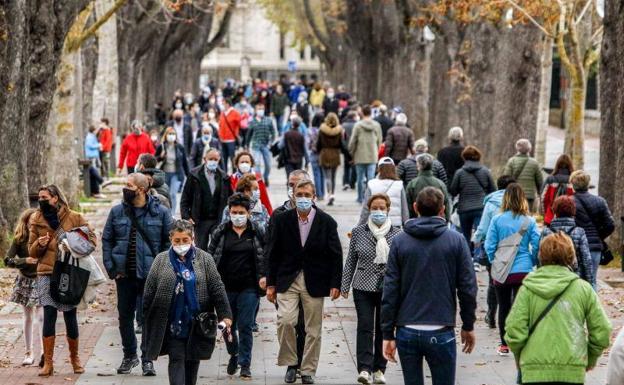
(426, 225)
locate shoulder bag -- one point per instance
(506, 253)
(227, 123)
(517, 175)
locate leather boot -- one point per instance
(48, 354)
(73, 355)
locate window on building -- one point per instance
(302, 53)
(282, 46)
(312, 53)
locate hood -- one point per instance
(425, 227)
(562, 223)
(158, 177)
(330, 131)
(548, 281)
(368, 124)
(472, 166)
(496, 198)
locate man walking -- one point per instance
(526, 171)
(229, 130)
(427, 265)
(204, 197)
(105, 137)
(261, 135)
(399, 140)
(305, 265)
(363, 146)
(135, 232)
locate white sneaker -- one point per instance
(379, 378)
(28, 360)
(364, 377)
(477, 267)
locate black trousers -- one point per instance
(491, 294)
(203, 229)
(369, 342)
(505, 295)
(49, 322)
(182, 371)
(128, 289)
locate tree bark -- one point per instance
(543, 109)
(106, 83)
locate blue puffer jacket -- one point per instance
(593, 215)
(491, 206)
(155, 220)
(506, 224)
(583, 257)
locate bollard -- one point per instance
(86, 176)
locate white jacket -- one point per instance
(615, 368)
(399, 212)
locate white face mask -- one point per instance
(182, 249)
(255, 196)
(244, 167)
(238, 220)
(154, 138)
(211, 115)
(178, 106)
(171, 138)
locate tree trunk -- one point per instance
(575, 136)
(612, 115)
(543, 111)
(106, 83)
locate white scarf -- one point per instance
(382, 249)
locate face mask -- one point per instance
(178, 119)
(136, 131)
(171, 138)
(128, 195)
(244, 167)
(330, 95)
(178, 106)
(260, 113)
(293, 117)
(212, 165)
(211, 115)
(243, 103)
(182, 249)
(188, 100)
(303, 203)
(238, 220)
(255, 195)
(378, 217)
(45, 206)
(206, 138)
(154, 138)
(290, 192)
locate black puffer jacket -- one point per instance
(593, 215)
(472, 183)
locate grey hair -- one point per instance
(304, 174)
(456, 134)
(140, 180)
(421, 145)
(401, 119)
(181, 226)
(523, 146)
(424, 162)
(136, 123)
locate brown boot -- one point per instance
(73, 355)
(48, 354)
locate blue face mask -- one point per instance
(303, 203)
(206, 138)
(255, 196)
(378, 217)
(212, 165)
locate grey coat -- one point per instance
(157, 297)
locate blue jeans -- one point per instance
(264, 153)
(319, 179)
(228, 149)
(174, 182)
(469, 220)
(436, 347)
(595, 256)
(243, 305)
(365, 172)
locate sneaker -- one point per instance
(28, 359)
(379, 378)
(138, 329)
(232, 366)
(245, 373)
(99, 196)
(127, 364)
(490, 321)
(148, 369)
(331, 201)
(345, 187)
(477, 267)
(255, 328)
(364, 378)
(502, 350)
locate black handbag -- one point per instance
(206, 324)
(68, 281)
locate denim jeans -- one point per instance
(182, 371)
(469, 220)
(437, 347)
(228, 149)
(319, 179)
(243, 305)
(365, 172)
(265, 154)
(348, 175)
(127, 291)
(595, 256)
(173, 181)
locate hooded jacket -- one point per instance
(429, 268)
(569, 351)
(491, 207)
(567, 225)
(328, 145)
(365, 141)
(160, 189)
(472, 183)
(426, 179)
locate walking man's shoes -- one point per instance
(148, 369)
(127, 364)
(305, 379)
(232, 365)
(291, 375)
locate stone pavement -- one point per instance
(101, 349)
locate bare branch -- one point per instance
(223, 27)
(315, 28)
(531, 19)
(77, 41)
(585, 8)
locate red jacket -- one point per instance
(264, 195)
(105, 137)
(228, 131)
(549, 194)
(133, 146)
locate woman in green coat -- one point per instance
(572, 335)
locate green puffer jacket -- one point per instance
(559, 350)
(530, 177)
(426, 179)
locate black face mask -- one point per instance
(178, 119)
(129, 195)
(46, 207)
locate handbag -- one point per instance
(206, 324)
(506, 253)
(68, 281)
(606, 256)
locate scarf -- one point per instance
(52, 218)
(184, 305)
(382, 249)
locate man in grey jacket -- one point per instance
(363, 147)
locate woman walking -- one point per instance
(173, 160)
(182, 288)
(328, 146)
(387, 182)
(364, 269)
(47, 224)
(515, 218)
(244, 163)
(25, 287)
(556, 184)
(560, 343)
(313, 153)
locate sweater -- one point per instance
(506, 224)
(429, 268)
(569, 350)
(472, 183)
(527, 173)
